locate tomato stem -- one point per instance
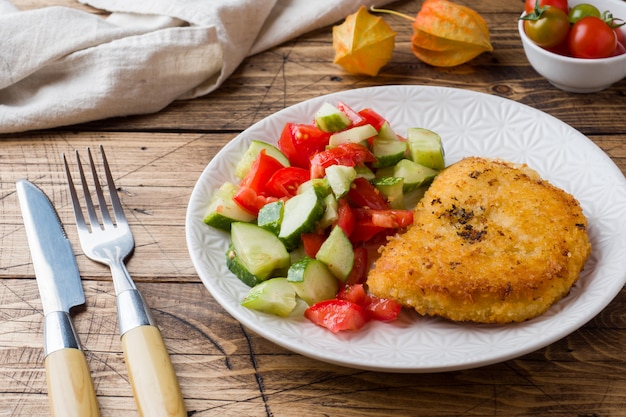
(536, 14)
(393, 12)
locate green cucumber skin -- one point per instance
(292, 228)
(356, 134)
(426, 148)
(271, 216)
(274, 296)
(257, 250)
(330, 119)
(393, 190)
(312, 280)
(337, 253)
(234, 265)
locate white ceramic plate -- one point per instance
(470, 123)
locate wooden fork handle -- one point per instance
(152, 377)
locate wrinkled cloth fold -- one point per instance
(61, 66)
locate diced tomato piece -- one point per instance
(353, 115)
(354, 293)
(262, 169)
(312, 243)
(285, 181)
(348, 154)
(251, 201)
(363, 194)
(358, 275)
(346, 219)
(337, 315)
(365, 231)
(391, 218)
(382, 309)
(299, 142)
(372, 118)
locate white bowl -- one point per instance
(578, 75)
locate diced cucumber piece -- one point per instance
(330, 119)
(312, 280)
(271, 216)
(356, 134)
(301, 215)
(297, 254)
(426, 148)
(414, 174)
(340, 178)
(385, 172)
(386, 132)
(321, 186)
(365, 172)
(274, 296)
(393, 189)
(256, 250)
(222, 210)
(388, 152)
(238, 269)
(331, 213)
(337, 253)
(251, 153)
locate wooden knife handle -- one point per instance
(70, 389)
(152, 377)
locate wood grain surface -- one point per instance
(223, 368)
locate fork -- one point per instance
(110, 241)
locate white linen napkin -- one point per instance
(61, 66)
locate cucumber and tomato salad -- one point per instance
(306, 212)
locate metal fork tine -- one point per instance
(91, 211)
(115, 201)
(104, 211)
(78, 213)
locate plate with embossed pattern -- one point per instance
(470, 124)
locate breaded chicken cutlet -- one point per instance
(491, 242)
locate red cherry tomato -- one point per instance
(372, 118)
(348, 154)
(299, 142)
(355, 293)
(559, 4)
(337, 315)
(251, 201)
(547, 28)
(591, 37)
(619, 49)
(389, 219)
(345, 217)
(358, 275)
(312, 243)
(383, 309)
(621, 38)
(262, 169)
(363, 194)
(285, 181)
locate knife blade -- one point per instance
(70, 388)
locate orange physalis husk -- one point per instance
(363, 43)
(446, 34)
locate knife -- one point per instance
(70, 388)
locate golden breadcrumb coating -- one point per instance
(491, 242)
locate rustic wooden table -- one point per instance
(225, 369)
